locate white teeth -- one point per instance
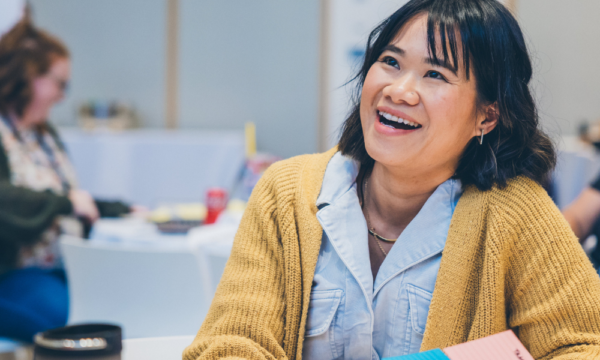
(397, 119)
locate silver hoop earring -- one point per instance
(481, 139)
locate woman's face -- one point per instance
(439, 105)
(48, 89)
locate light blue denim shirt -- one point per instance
(350, 316)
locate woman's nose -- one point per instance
(402, 91)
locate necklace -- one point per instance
(372, 230)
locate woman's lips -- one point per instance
(396, 113)
(390, 130)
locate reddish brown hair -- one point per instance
(26, 52)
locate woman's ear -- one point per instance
(489, 122)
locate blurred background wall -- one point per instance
(238, 61)
(564, 38)
(254, 61)
(259, 61)
(118, 52)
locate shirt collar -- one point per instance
(424, 237)
(341, 173)
(340, 176)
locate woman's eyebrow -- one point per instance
(441, 63)
(394, 49)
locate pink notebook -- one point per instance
(501, 346)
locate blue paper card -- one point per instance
(435, 354)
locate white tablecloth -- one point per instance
(214, 241)
(164, 348)
(140, 232)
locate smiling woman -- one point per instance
(426, 227)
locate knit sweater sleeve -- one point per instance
(553, 291)
(246, 317)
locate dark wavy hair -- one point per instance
(26, 52)
(493, 47)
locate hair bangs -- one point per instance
(445, 22)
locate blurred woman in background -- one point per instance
(39, 196)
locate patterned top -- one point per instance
(38, 163)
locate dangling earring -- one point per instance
(481, 139)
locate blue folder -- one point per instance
(435, 354)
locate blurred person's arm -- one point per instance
(582, 213)
(103, 208)
(112, 208)
(25, 214)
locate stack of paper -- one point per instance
(501, 346)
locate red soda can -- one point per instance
(216, 201)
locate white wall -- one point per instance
(255, 61)
(239, 61)
(118, 52)
(564, 39)
(10, 12)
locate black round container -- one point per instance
(86, 341)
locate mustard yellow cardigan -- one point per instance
(510, 262)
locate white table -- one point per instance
(162, 348)
(158, 348)
(151, 284)
(131, 231)
(134, 231)
(214, 241)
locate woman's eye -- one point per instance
(435, 75)
(388, 60)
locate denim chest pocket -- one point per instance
(419, 301)
(322, 341)
(321, 311)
